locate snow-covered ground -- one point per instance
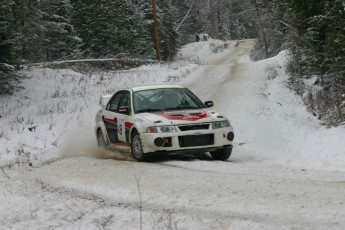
(269, 119)
(286, 171)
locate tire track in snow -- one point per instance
(285, 198)
(214, 81)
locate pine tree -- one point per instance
(144, 9)
(108, 28)
(319, 53)
(29, 30)
(9, 80)
(169, 38)
(7, 38)
(60, 39)
(42, 30)
(335, 41)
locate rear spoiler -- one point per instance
(103, 101)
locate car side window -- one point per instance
(126, 101)
(114, 102)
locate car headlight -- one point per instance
(220, 124)
(161, 129)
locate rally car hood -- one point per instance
(180, 117)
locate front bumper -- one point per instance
(189, 141)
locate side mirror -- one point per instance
(123, 110)
(209, 104)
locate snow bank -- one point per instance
(308, 141)
(205, 52)
(54, 115)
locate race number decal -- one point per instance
(121, 128)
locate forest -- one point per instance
(33, 31)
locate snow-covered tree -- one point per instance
(109, 27)
(41, 29)
(29, 30)
(319, 52)
(169, 38)
(7, 37)
(60, 38)
(191, 18)
(9, 80)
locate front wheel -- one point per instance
(222, 154)
(136, 148)
(100, 140)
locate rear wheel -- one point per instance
(101, 140)
(222, 154)
(136, 147)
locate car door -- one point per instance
(124, 110)
(110, 117)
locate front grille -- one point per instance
(193, 127)
(196, 140)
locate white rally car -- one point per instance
(162, 119)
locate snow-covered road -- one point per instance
(176, 193)
(185, 191)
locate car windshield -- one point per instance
(155, 100)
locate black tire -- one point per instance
(101, 140)
(222, 154)
(136, 147)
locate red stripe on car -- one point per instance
(128, 124)
(111, 120)
(114, 121)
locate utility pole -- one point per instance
(155, 29)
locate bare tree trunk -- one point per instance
(261, 28)
(155, 29)
(214, 18)
(184, 18)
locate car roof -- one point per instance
(140, 88)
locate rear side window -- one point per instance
(114, 102)
(126, 102)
